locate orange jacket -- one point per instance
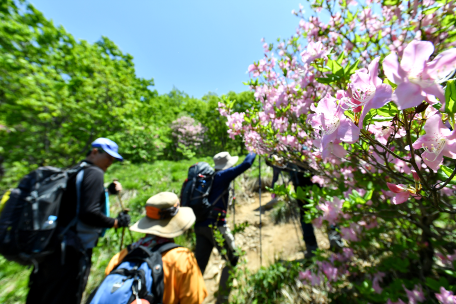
(184, 283)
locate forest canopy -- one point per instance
(58, 94)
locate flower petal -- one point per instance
(442, 65)
(383, 95)
(416, 54)
(437, 91)
(327, 106)
(434, 126)
(339, 151)
(395, 188)
(432, 161)
(373, 72)
(400, 198)
(408, 95)
(392, 70)
(347, 131)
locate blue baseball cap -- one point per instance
(108, 146)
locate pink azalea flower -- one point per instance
(416, 295)
(331, 210)
(332, 149)
(350, 233)
(415, 76)
(383, 130)
(445, 296)
(330, 271)
(378, 277)
(402, 193)
(438, 142)
(330, 119)
(368, 91)
(314, 50)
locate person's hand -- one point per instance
(122, 220)
(115, 187)
(118, 186)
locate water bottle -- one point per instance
(50, 223)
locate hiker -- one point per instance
(62, 276)
(218, 197)
(165, 219)
(298, 179)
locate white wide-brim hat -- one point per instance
(224, 160)
(164, 217)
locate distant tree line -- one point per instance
(57, 94)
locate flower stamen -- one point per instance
(435, 149)
(331, 127)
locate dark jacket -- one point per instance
(221, 183)
(92, 200)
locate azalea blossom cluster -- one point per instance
(361, 106)
(187, 131)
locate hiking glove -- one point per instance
(123, 219)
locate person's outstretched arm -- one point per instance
(230, 174)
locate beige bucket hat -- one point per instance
(165, 217)
(224, 160)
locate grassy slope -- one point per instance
(147, 180)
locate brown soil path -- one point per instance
(282, 241)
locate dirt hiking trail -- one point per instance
(282, 241)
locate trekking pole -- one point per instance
(123, 228)
(259, 183)
(234, 209)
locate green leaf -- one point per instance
(450, 97)
(446, 174)
(368, 117)
(334, 66)
(340, 58)
(430, 10)
(388, 110)
(393, 85)
(368, 195)
(349, 70)
(350, 114)
(325, 80)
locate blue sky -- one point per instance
(196, 46)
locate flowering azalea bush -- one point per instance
(365, 104)
(188, 135)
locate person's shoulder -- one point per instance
(180, 258)
(93, 171)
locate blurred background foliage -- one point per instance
(58, 94)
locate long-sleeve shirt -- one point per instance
(184, 283)
(92, 202)
(221, 183)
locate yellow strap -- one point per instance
(5, 198)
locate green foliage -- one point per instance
(64, 93)
(264, 286)
(450, 99)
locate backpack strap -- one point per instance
(158, 276)
(79, 177)
(162, 248)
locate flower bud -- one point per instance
(415, 176)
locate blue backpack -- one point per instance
(139, 276)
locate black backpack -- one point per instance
(28, 220)
(139, 276)
(196, 188)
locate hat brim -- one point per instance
(167, 228)
(114, 154)
(230, 163)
